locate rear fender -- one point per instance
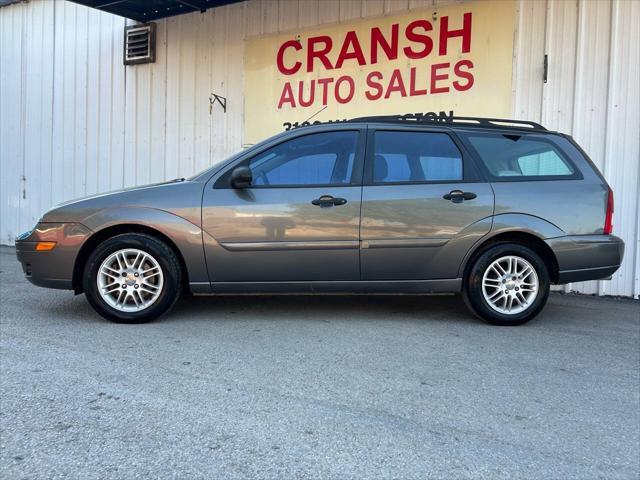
(510, 223)
(521, 222)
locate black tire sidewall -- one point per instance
(165, 257)
(473, 285)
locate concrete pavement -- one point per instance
(316, 387)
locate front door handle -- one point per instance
(457, 196)
(329, 201)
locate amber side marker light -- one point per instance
(45, 246)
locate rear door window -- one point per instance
(415, 157)
(520, 156)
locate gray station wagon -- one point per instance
(497, 210)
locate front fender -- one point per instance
(186, 236)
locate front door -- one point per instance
(422, 205)
(298, 221)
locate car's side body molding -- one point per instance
(449, 285)
(277, 246)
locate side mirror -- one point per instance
(241, 177)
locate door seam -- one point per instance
(364, 161)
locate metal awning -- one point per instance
(148, 10)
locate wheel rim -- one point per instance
(130, 280)
(510, 285)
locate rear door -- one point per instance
(300, 218)
(423, 204)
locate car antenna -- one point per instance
(319, 111)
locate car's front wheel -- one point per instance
(508, 284)
(132, 278)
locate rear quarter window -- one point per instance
(521, 157)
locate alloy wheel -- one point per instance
(510, 285)
(130, 280)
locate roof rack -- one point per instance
(452, 120)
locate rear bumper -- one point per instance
(53, 268)
(586, 257)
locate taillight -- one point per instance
(608, 219)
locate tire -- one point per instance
(150, 281)
(492, 302)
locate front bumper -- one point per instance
(53, 268)
(586, 257)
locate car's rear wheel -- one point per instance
(132, 278)
(508, 284)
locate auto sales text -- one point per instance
(435, 75)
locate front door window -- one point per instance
(317, 159)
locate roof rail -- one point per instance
(452, 120)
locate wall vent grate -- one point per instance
(140, 44)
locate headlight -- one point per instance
(25, 235)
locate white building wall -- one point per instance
(74, 121)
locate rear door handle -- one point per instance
(329, 201)
(457, 196)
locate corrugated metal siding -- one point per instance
(74, 121)
(622, 142)
(592, 93)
